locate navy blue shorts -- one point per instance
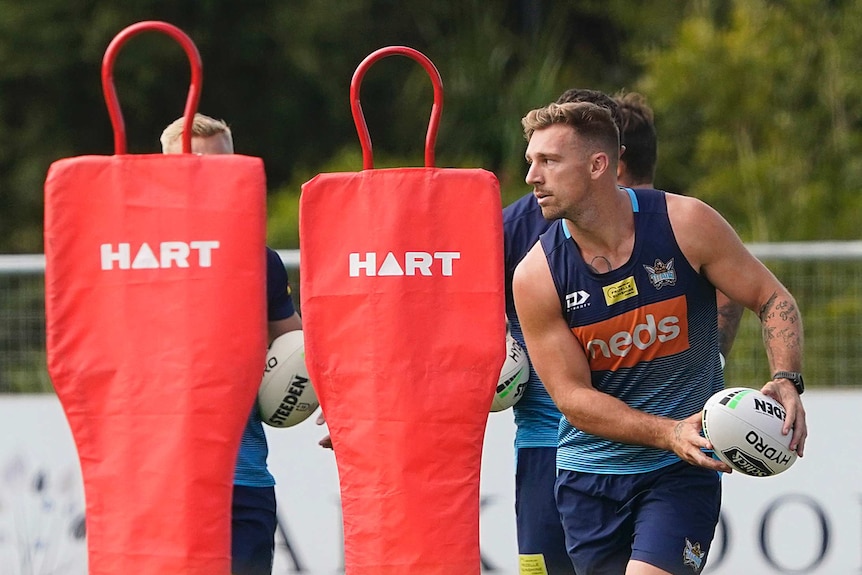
(253, 522)
(666, 518)
(541, 540)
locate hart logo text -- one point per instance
(410, 264)
(167, 255)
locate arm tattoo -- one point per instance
(677, 430)
(766, 310)
(729, 316)
(787, 312)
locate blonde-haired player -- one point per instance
(253, 511)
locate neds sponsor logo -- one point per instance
(655, 330)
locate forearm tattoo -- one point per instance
(784, 310)
(729, 316)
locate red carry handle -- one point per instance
(356, 107)
(110, 91)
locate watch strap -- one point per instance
(793, 377)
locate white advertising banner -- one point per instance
(806, 520)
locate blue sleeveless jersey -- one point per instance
(536, 416)
(649, 330)
(251, 469)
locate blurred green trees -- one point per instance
(757, 102)
(760, 114)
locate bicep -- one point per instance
(534, 292)
(554, 351)
(713, 248)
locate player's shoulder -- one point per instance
(647, 199)
(700, 230)
(275, 271)
(533, 259)
(533, 286)
(688, 209)
(682, 201)
(555, 237)
(273, 258)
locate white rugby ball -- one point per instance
(744, 427)
(513, 376)
(286, 396)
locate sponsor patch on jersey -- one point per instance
(661, 274)
(656, 330)
(620, 291)
(576, 300)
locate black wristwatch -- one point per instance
(793, 377)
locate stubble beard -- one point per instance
(552, 211)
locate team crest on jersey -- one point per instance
(692, 555)
(661, 274)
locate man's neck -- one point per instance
(608, 232)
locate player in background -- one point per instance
(617, 307)
(637, 131)
(637, 170)
(253, 509)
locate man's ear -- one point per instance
(599, 165)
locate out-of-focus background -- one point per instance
(758, 103)
(758, 108)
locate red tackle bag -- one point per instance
(401, 277)
(156, 337)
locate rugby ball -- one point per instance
(513, 376)
(285, 396)
(744, 427)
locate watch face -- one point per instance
(792, 377)
(797, 383)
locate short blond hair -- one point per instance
(592, 122)
(202, 127)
